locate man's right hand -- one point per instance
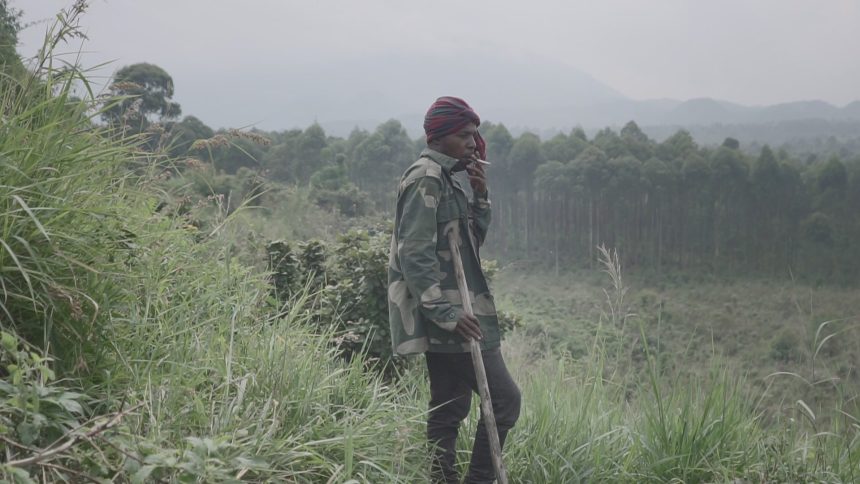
(477, 176)
(469, 327)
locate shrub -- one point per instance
(786, 346)
(33, 408)
(350, 277)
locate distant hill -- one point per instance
(364, 92)
(707, 111)
(852, 110)
(524, 93)
(797, 110)
(695, 115)
(809, 131)
(696, 111)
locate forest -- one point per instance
(180, 303)
(669, 204)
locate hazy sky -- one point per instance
(746, 51)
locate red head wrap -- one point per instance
(448, 115)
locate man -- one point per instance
(425, 308)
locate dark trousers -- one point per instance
(452, 381)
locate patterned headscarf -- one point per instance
(448, 115)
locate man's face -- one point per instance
(460, 144)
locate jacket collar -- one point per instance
(445, 161)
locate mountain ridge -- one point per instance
(529, 91)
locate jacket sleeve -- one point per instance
(416, 249)
(479, 214)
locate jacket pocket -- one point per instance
(447, 211)
(447, 215)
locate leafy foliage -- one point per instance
(33, 408)
(350, 277)
(146, 91)
(10, 24)
(55, 229)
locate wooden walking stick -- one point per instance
(478, 362)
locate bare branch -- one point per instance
(74, 439)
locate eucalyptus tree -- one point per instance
(379, 159)
(526, 155)
(730, 188)
(563, 147)
(610, 143)
(592, 176)
(624, 197)
(660, 183)
(309, 155)
(637, 142)
(279, 159)
(677, 146)
(184, 133)
(552, 180)
(502, 183)
(10, 62)
(765, 184)
(145, 94)
(499, 141)
(692, 230)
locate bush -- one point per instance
(350, 277)
(786, 346)
(34, 410)
(348, 200)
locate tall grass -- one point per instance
(211, 359)
(572, 428)
(696, 431)
(65, 199)
(211, 380)
(582, 423)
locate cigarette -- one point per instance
(483, 162)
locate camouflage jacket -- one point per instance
(423, 300)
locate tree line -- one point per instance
(662, 204)
(674, 203)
